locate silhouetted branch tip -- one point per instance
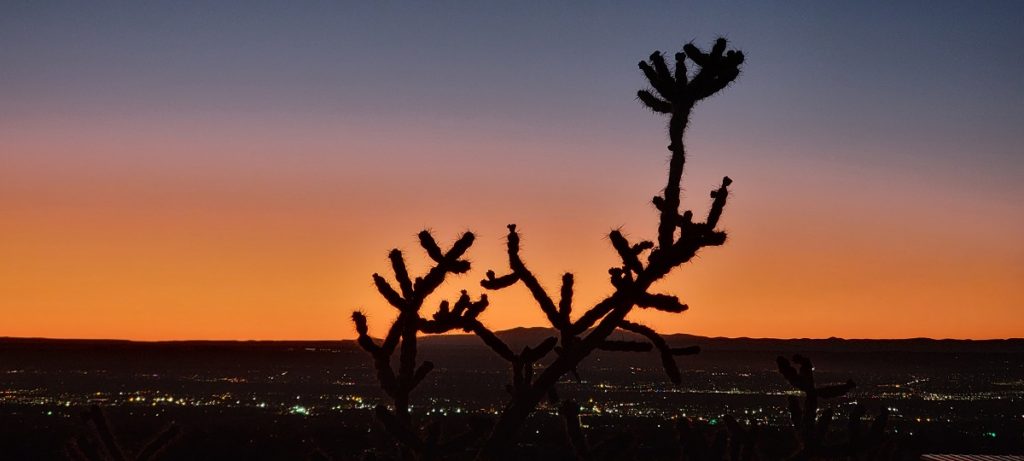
(362, 330)
(428, 243)
(389, 293)
(497, 283)
(565, 301)
(401, 274)
(625, 250)
(662, 302)
(360, 320)
(653, 102)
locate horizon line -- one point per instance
(338, 340)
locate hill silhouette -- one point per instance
(531, 335)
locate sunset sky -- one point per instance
(238, 170)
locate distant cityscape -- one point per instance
(973, 401)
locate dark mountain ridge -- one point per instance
(518, 337)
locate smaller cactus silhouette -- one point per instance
(812, 427)
(408, 299)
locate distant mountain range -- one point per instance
(519, 337)
(529, 336)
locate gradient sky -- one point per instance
(187, 170)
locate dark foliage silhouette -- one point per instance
(812, 427)
(104, 446)
(679, 237)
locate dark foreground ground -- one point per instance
(306, 399)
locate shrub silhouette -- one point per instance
(673, 92)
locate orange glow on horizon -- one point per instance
(258, 257)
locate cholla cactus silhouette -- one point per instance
(812, 426)
(408, 300)
(104, 446)
(679, 238)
